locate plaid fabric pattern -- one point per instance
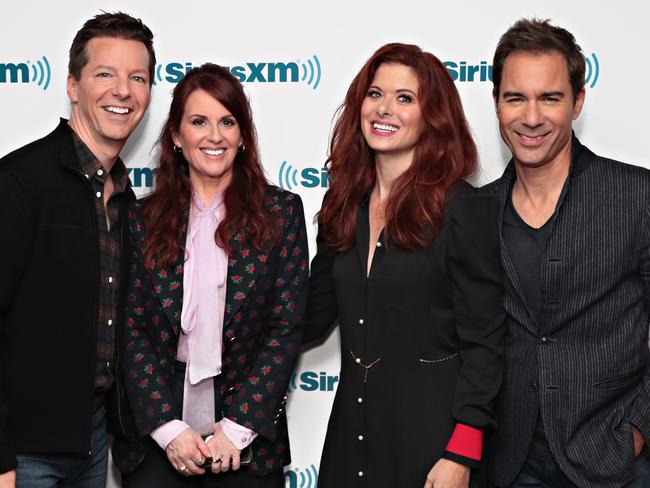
(109, 258)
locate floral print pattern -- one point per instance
(263, 321)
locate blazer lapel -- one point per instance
(515, 307)
(168, 283)
(503, 190)
(244, 266)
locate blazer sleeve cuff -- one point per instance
(465, 461)
(465, 445)
(7, 459)
(239, 435)
(639, 415)
(166, 433)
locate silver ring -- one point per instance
(182, 469)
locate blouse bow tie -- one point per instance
(205, 270)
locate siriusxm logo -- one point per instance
(297, 478)
(463, 71)
(310, 177)
(593, 71)
(266, 72)
(142, 176)
(312, 381)
(38, 73)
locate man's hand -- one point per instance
(447, 474)
(187, 452)
(222, 448)
(8, 479)
(639, 441)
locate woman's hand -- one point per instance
(447, 474)
(223, 449)
(187, 452)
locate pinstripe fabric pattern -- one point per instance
(589, 376)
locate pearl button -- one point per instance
(100, 172)
(360, 473)
(87, 176)
(378, 244)
(110, 322)
(98, 194)
(359, 400)
(110, 279)
(360, 437)
(357, 360)
(360, 321)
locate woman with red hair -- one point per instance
(408, 262)
(216, 302)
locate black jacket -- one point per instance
(430, 322)
(262, 328)
(584, 363)
(49, 289)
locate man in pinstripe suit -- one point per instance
(574, 409)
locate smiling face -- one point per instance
(209, 137)
(112, 94)
(391, 120)
(536, 109)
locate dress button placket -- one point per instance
(362, 332)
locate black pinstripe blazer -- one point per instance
(584, 363)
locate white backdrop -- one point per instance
(322, 45)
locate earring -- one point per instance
(241, 148)
(177, 149)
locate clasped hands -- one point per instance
(188, 452)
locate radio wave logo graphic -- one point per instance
(288, 176)
(43, 72)
(593, 70)
(38, 73)
(158, 76)
(313, 70)
(296, 478)
(292, 384)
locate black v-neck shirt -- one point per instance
(526, 247)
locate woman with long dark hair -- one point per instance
(408, 262)
(216, 301)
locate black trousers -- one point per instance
(538, 473)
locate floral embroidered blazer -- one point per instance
(263, 322)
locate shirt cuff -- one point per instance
(239, 435)
(465, 445)
(166, 433)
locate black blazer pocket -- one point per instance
(438, 360)
(620, 381)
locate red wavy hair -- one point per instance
(164, 211)
(444, 155)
